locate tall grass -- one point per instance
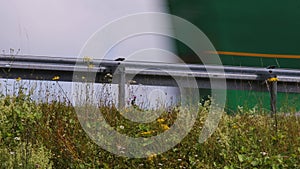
(35, 134)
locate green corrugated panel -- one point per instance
(256, 26)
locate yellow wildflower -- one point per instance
(90, 66)
(87, 59)
(165, 127)
(160, 120)
(273, 79)
(55, 78)
(147, 132)
(18, 79)
(235, 126)
(151, 157)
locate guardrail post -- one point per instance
(273, 94)
(121, 95)
(272, 84)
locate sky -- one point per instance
(61, 27)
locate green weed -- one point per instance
(48, 134)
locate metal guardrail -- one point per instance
(240, 78)
(237, 78)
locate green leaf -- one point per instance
(88, 125)
(274, 166)
(241, 157)
(226, 167)
(254, 163)
(106, 166)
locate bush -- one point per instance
(19, 147)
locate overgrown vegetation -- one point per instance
(48, 135)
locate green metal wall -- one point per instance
(256, 26)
